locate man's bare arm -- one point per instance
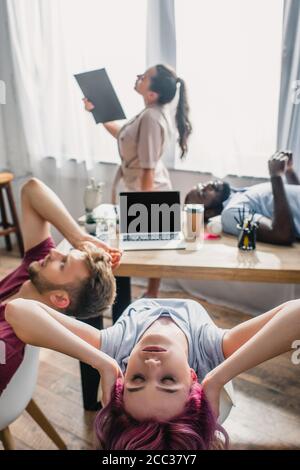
(35, 228)
(280, 229)
(41, 206)
(291, 176)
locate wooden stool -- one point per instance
(14, 227)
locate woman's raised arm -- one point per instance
(112, 127)
(274, 338)
(39, 325)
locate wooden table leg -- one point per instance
(7, 439)
(123, 298)
(90, 377)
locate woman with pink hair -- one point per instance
(163, 366)
(165, 349)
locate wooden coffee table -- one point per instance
(217, 260)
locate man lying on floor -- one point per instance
(276, 205)
(80, 284)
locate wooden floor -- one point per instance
(267, 415)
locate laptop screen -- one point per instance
(150, 212)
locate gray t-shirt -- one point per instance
(259, 199)
(204, 337)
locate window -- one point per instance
(229, 53)
(110, 34)
(54, 39)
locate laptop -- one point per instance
(151, 220)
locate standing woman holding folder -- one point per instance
(146, 139)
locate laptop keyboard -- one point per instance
(138, 237)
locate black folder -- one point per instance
(97, 88)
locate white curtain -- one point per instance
(161, 33)
(161, 49)
(289, 105)
(227, 51)
(50, 40)
(229, 54)
(13, 149)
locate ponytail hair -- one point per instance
(164, 83)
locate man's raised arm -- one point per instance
(280, 229)
(291, 175)
(41, 207)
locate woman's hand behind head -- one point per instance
(109, 375)
(212, 392)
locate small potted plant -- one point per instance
(90, 223)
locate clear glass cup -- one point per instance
(193, 225)
(102, 230)
(106, 228)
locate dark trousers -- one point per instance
(89, 376)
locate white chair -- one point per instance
(17, 397)
(227, 401)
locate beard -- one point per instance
(41, 284)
